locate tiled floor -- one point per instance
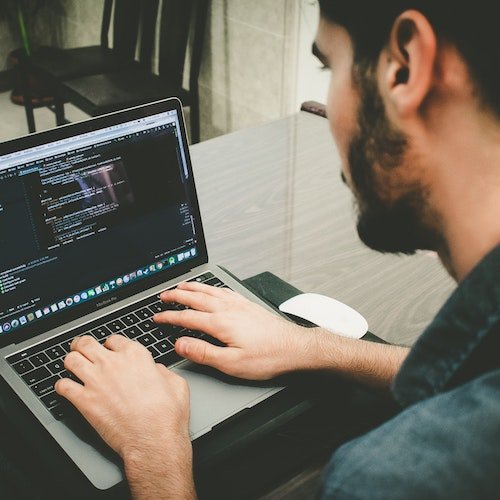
(13, 119)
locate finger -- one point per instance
(200, 301)
(194, 286)
(203, 353)
(69, 389)
(222, 292)
(78, 364)
(88, 347)
(189, 318)
(117, 343)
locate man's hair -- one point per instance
(472, 27)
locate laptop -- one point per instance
(96, 219)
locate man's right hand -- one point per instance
(260, 345)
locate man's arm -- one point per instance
(261, 345)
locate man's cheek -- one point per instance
(342, 141)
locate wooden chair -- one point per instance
(112, 91)
(55, 65)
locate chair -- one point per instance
(112, 91)
(54, 65)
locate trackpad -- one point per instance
(216, 397)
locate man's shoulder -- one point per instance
(445, 446)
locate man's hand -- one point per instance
(140, 409)
(260, 345)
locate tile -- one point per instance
(266, 15)
(13, 123)
(219, 115)
(246, 65)
(83, 23)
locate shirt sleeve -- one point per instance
(446, 446)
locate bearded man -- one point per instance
(414, 108)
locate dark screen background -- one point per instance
(147, 223)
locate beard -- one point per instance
(395, 226)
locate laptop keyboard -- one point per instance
(42, 365)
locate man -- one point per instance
(414, 108)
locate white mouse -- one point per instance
(327, 313)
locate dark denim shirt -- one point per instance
(445, 443)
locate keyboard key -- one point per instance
(36, 375)
(164, 346)
(55, 352)
(146, 339)
(202, 277)
(169, 330)
(191, 333)
(130, 319)
(39, 359)
(147, 325)
(52, 399)
(143, 313)
(116, 326)
(45, 386)
(56, 366)
(170, 306)
(214, 282)
(169, 358)
(101, 332)
(59, 411)
(159, 334)
(156, 307)
(70, 375)
(23, 366)
(67, 345)
(19, 356)
(132, 332)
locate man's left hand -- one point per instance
(136, 405)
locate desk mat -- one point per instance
(275, 291)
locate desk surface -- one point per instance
(272, 200)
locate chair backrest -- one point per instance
(177, 21)
(147, 32)
(134, 23)
(126, 18)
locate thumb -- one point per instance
(200, 351)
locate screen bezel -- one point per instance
(167, 274)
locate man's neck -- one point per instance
(468, 194)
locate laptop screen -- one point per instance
(94, 216)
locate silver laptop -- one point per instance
(97, 218)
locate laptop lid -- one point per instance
(92, 213)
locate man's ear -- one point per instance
(408, 69)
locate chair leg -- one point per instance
(59, 109)
(194, 117)
(27, 99)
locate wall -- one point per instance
(311, 79)
(257, 63)
(51, 15)
(248, 68)
(82, 24)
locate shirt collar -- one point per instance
(461, 325)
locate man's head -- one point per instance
(397, 67)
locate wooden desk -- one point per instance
(272, 200)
